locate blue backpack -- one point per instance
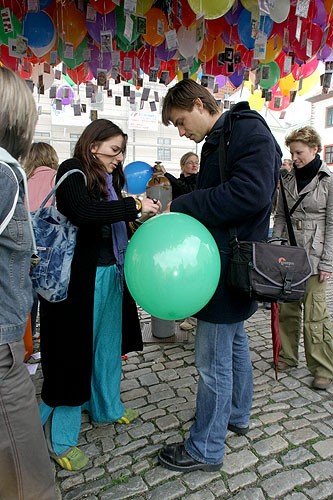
(55, 239)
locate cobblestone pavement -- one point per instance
(288, 452)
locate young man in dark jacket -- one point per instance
(253, 160)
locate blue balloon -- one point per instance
(38, 28)
(245, 29)
(137, 174)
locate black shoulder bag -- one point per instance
(262, 270)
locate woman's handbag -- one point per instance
(55, 238)
(263, 270)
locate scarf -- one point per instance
(305, 174)
(119, 232)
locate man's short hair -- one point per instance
(183, 95)
(18, 114)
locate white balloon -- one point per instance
(280, 11)
(48, 78)
(187, 45)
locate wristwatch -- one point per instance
(138, 206)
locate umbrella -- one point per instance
(275, 335)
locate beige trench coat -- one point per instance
(313, 218)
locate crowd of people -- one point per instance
(99, 317)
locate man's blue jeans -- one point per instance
(224, 389)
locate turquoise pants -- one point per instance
(104, 404)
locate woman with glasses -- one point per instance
(84, 336)
(189, 164)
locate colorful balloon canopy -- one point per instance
(228, 39)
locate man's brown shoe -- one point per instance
(321, 383)
(283, 366)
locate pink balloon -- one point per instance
(306, 69)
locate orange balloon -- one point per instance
(46, 57)
(210, 47)
(70, 22)
(271, 52)
(151, 36)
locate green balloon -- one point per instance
(17, 29)
(78, 54)
(273, 75)
(172, 266)
(69, 80)
(121, 25)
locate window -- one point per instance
(163, 140)
(328, 153)
(329, 117)
(163, 154)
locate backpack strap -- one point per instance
(12, 210)
(60, 181)
(10, 214)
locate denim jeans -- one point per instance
(224, 389)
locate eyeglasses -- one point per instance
(192, 163)
(111, 156)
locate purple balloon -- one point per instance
(108, 22)
(237, 79)
(61, 92)
(99, 60)
(163, 53)
(321, 14)
(221, 80)
(325, 54)
(232, 15)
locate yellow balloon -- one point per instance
(143, 6)
(256, 101)
(271, 52)
(248, 84)
(249, 4)
(211, 9)
(180, 76)
(310, 82)
(287, 84)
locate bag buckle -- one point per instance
(287, 285)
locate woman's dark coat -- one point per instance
(67, 327)
(245, 200)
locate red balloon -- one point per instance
(132, 55)
(233, 34)
(329, 39)
(7, 60)
(17, 7)
(146, 55)
(285, 102)
(217, 26)
(280, 61)
(246, 55)
(315, 34)
(77, 74)
(188, 16)
(103, 6)
(25, 74)
(168, 66)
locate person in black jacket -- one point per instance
(244, 201)
(189, 164)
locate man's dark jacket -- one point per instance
(244, 200)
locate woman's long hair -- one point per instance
(95, 133)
